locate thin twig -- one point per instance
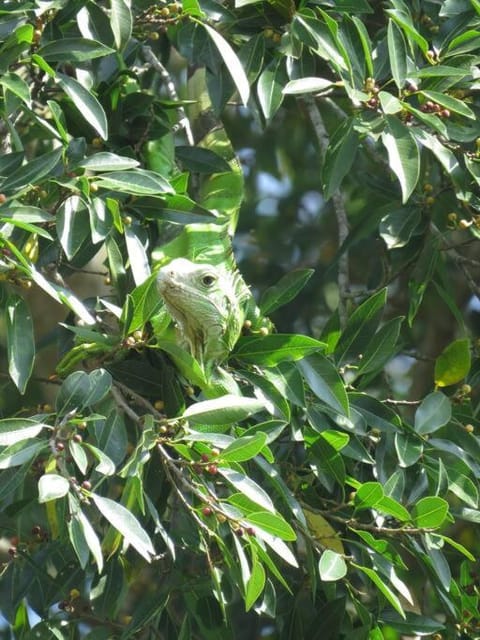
(339, 208)
(183, 121)
(406, 403)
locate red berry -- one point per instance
(87, 485)
(212, 469)
(60, 446)
(207, 511)
(205, 457)
(77, 437)
(239, 532)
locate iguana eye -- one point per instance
(208, 280)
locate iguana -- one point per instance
(206, 295)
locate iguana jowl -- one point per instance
(207, 304)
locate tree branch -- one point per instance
(339, 209)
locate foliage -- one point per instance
(313, 499)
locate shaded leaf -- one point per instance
(286, 289)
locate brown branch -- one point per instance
(183, 121)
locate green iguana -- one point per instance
(205, 294)
(206, 303)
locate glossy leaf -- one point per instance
(332, 566)
(360, 328)
(273, 349)
(244, 448)
(74, 50)
(20, 341)
(13, 430)
(224, 410)
(430, 512)
(272, 523)
(126, 523)
(270, 88)
(86, 103)
(403, 155)
(232, 63)
(323, 379)
(121, 22)
(434, 412)
(397, 53)
(255, 585)
(340, 156)
(137, 182)
(51, 486)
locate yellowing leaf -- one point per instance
(323, 532)
(453, 364)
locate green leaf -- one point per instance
(270, 350)
(340, 156)
(382, 587)
(244, 448)
(368, 495)
(13, 430)
(403, 155)
(32, 172)
(227, 409)
(74, 393)
(51, 486)
(201, 160)
(73, 225)
(307, 85)
(136, 181)
(286, 289)
(248, 487)
(270, 87)
(323, 379)
(434, 412)
(430, 512)
(397, 53)
(90, 537)
(397, 227)
(255, 585)
(106, 161)
(126, 523)
(74, 50)
(332, 566)
(251, 55)
(381, 348)
(403, 18)
(16, 85)
(272, 523)
(86, 103)
(232, 63)
(19, 453)
(453, 364)
(393, 508)
(409, 448)
(360, 328)
(121, 22)
(453, 104)
(20, 341)
(463, 488)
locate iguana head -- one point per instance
(202, 300)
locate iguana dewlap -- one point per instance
(205, 303)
